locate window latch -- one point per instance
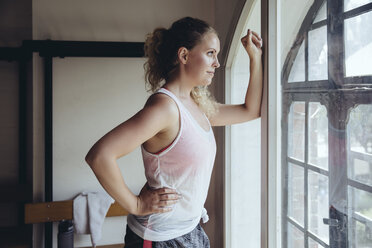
(331, 222)
(339, 224)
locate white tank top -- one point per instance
(186, 166)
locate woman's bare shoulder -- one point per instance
(162, 103)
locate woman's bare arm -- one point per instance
(158, 114)
(251, 108)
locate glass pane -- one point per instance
(360, 170)
(296, 131)
(318, 205)
(297, 73)
(318, 135)
(361, 202)
(322, 14)
(360, 235)
(358, 45)
(359, 139)
(360, 129)
(314, 244)
(352, 4)
(295, 237)
(318, 61)
(296, 193)
(360, 218)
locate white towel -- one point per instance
(90, 210)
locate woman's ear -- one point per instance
(183, 55)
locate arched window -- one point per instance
(327, 127)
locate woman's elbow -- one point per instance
(94, 156)
(90, 158)
(97, 156)
(253, 114)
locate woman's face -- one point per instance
(202, 60)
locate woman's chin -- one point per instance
(207, 82)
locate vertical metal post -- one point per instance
(338, 199)
(48, 110)
(306, 177)
(22, 168)
(22, 122)
(264, 127)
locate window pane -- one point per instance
(361, 202)
(318, 205)
(360, 129)
(314, 244)
(297, 73)
(360, 170)
(358, 45)
(360, 218)
(296, 193)
(359, 139)
(322, 14)
(318, 135)
(318, 61)
(296, 131)
(295, 237)
(352, 4)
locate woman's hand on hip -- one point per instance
(152, 201)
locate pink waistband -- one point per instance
(147, 244)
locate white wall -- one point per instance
(111, 20)
(93, 95)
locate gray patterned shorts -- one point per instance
(197, 238)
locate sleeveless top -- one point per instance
(186, 166)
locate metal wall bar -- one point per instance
(48, 122)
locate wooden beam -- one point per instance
(60, 210)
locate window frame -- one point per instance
(270, 126)
(329, 93)
(270, 208)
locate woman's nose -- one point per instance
(216, 63)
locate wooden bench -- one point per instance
(63, 210)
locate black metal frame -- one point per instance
(48, 49)
(330, 93)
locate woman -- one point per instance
(175, 135)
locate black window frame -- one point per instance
(350, 91)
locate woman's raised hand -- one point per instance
(152, 201)
(252, 43)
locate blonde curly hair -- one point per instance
(161, 47)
